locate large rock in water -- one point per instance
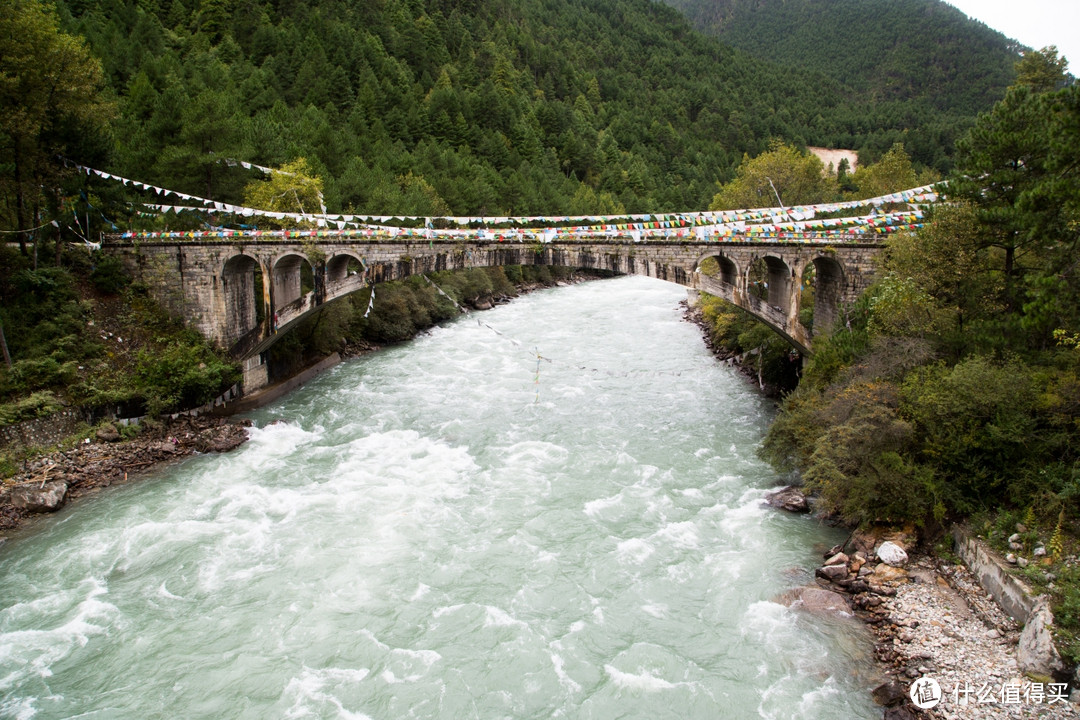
(789, 498)
(34, 498)
(890, 693)
(816, 600)
(1036, 654)
(221, 438)
(832, 572)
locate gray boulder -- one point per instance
(34, 498)
(1036, 654)
(816, 600)
(899, 713)
(890, 693)
(108, 433)
(789, 498)
(892, 554)
(832, 572)
(838, 559)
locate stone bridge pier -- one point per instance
(768, 281)
(243, 291)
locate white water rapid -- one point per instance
(436, 530)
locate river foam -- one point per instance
(430, 532)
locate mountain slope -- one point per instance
(917, 50)
(464, 106)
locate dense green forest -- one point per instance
(952, 389)
(411, 107)
(918, 54)
(423, 107)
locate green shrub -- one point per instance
(500, 282)
(180, 376)
(108, 274)
(974, 421)
(8, 465)
(32, 374)
(39, 404)
(543, 274)
(44, 284)
(390, 319)
(513, 273)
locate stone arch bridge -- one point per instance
(218, 284)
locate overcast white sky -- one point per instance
(1035, 23)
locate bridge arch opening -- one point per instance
(720, 267)
(769, 278)
(826, 278)
(342, 266)
(345, 273)
(293, 279)
(245, 298)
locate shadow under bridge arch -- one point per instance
(245, 298)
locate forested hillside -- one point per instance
(952, 391)
(484, 107)
(924, 54)
(406, 107)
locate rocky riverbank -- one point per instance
(48, 482)
(941, 624)
(931, 620)
(936, 623)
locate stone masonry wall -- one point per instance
(1011, 593)
(42, 432)
(190, 276)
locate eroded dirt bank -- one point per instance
(47, 483)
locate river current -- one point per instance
(451, 528)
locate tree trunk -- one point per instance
(37, 237)
(3, 344)
(1010, 285)
(19, 200)
(56, 226)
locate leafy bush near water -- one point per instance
(37, 405)
(738, 332)
(66, 352)
(183, 373)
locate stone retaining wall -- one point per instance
(256, 400)
(49, 431)
(1011, 593)
(42, 432)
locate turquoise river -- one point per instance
(450, 528)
